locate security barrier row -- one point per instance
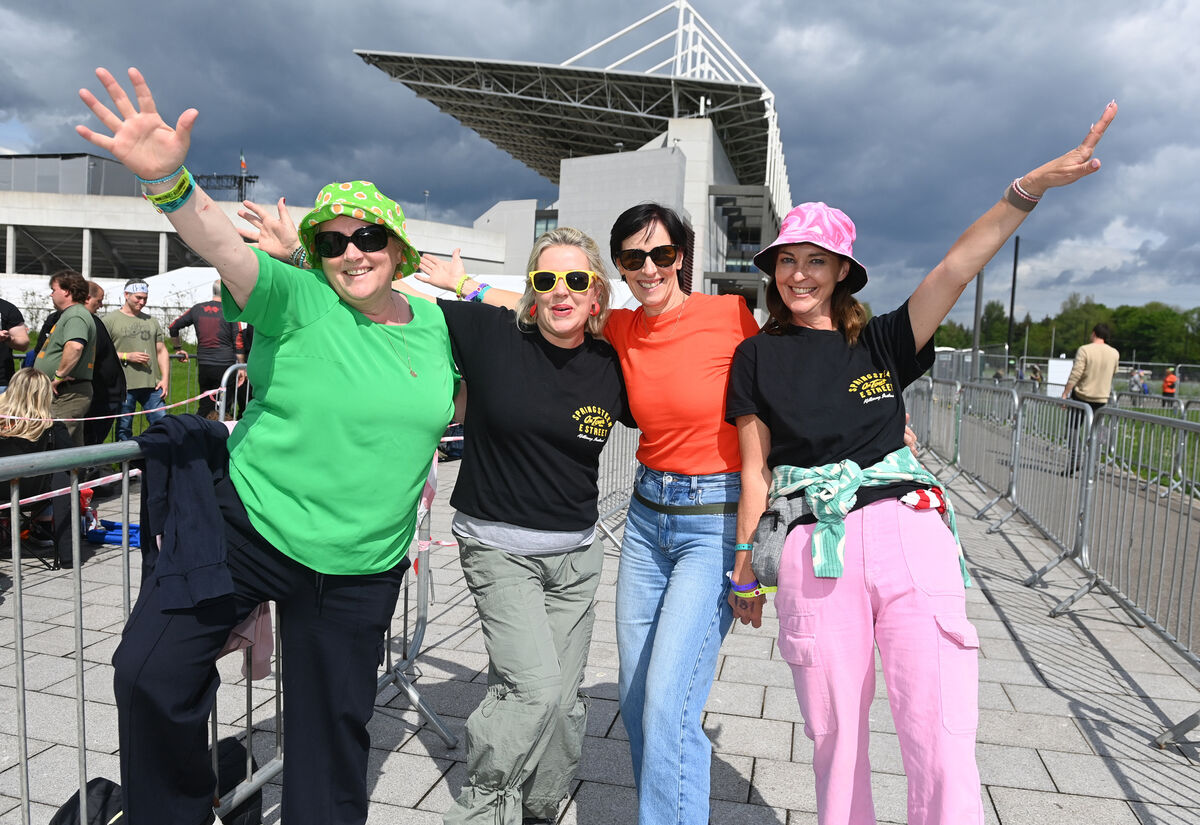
(1115, 490)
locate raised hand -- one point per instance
(442, 274)
(140, 139)
(275, 235)
(1075, 164)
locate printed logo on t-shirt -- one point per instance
(873, 386)
(594, 423)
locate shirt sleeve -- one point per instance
(75, 327)
(184, 320)
(1078, 367)
(742, 397)
(12, 316)
(910, 362)
(284, 298)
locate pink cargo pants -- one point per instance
(902, 590)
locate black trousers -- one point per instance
(208, 377)
(332, 635)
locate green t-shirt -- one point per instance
(75, 324)
(136, 333)
(332, 454)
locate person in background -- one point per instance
(1169, 383)
(69, 353)
(143, 352)
(108, 378)
(14, 336)
(218, 347)
(1091, 378)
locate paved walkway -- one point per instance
(1068, 705)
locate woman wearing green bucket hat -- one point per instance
(343, 367)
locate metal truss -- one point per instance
(543, 113)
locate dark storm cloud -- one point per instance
(910, 116)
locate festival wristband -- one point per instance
(756, 592)
(458, 287)
(737, 548)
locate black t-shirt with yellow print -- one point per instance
(824, 401)
(537, 419)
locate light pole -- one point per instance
(426, 204)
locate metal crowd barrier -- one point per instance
(1160, 404)
(1116, 491)
(943, 420)
(987, 424)
(71, 461)
(1049, 479)
(918, 400)
(618, 469)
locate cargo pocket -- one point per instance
(800, 651)
(958, 662)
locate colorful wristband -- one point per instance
(756, 592)
(458, 287)
(743, 546)
(743, 588)
(145, 182)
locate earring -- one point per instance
(533, 311)
(595, 310)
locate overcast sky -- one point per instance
(911, 115)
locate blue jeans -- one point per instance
(672, 572)
(150, 399)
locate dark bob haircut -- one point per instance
(638, 218)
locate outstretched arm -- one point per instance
(936, 295)
(452, 276)
(152, 150)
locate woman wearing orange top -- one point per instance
(675, 352)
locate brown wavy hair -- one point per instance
(849, 317)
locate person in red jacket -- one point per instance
(1169, 382)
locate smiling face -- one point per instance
(656, 288)
(361, 279)
(805, 275)
(561, 314)
(135, 302)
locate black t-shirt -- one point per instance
(537, 418)
(824, 401)
(10, 317)
(217, 342)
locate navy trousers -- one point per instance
(332, 635)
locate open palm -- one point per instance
(141, 139)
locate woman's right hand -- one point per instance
(275, 236)
(141, 139)
(442, 274)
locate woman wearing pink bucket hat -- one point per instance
(867, 561)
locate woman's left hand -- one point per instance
(275, 236)
(1075, 164)
(747, 611)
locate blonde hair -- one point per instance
(28, 397)
(568, 236)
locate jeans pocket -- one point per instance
(929, 551)
(958, 664)
(801, 652)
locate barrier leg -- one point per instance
(1173, 735)
(988, 506)
(995, 528)
(1046, 568)
(1066, 603)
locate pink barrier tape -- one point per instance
(87, 485)
(120, 415)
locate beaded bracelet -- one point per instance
(458, 287)
(299, 257)
(145, 182)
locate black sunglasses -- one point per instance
(368, 239)
(633, 259)
(577, 280)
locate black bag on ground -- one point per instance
(104, 805)
(231, 769)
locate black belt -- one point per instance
(724, 508)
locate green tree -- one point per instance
(952, 334)
(993, 326)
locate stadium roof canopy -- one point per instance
(543, 113)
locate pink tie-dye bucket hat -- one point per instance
(824, 226)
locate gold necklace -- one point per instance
(403, 338)
(674, 326)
